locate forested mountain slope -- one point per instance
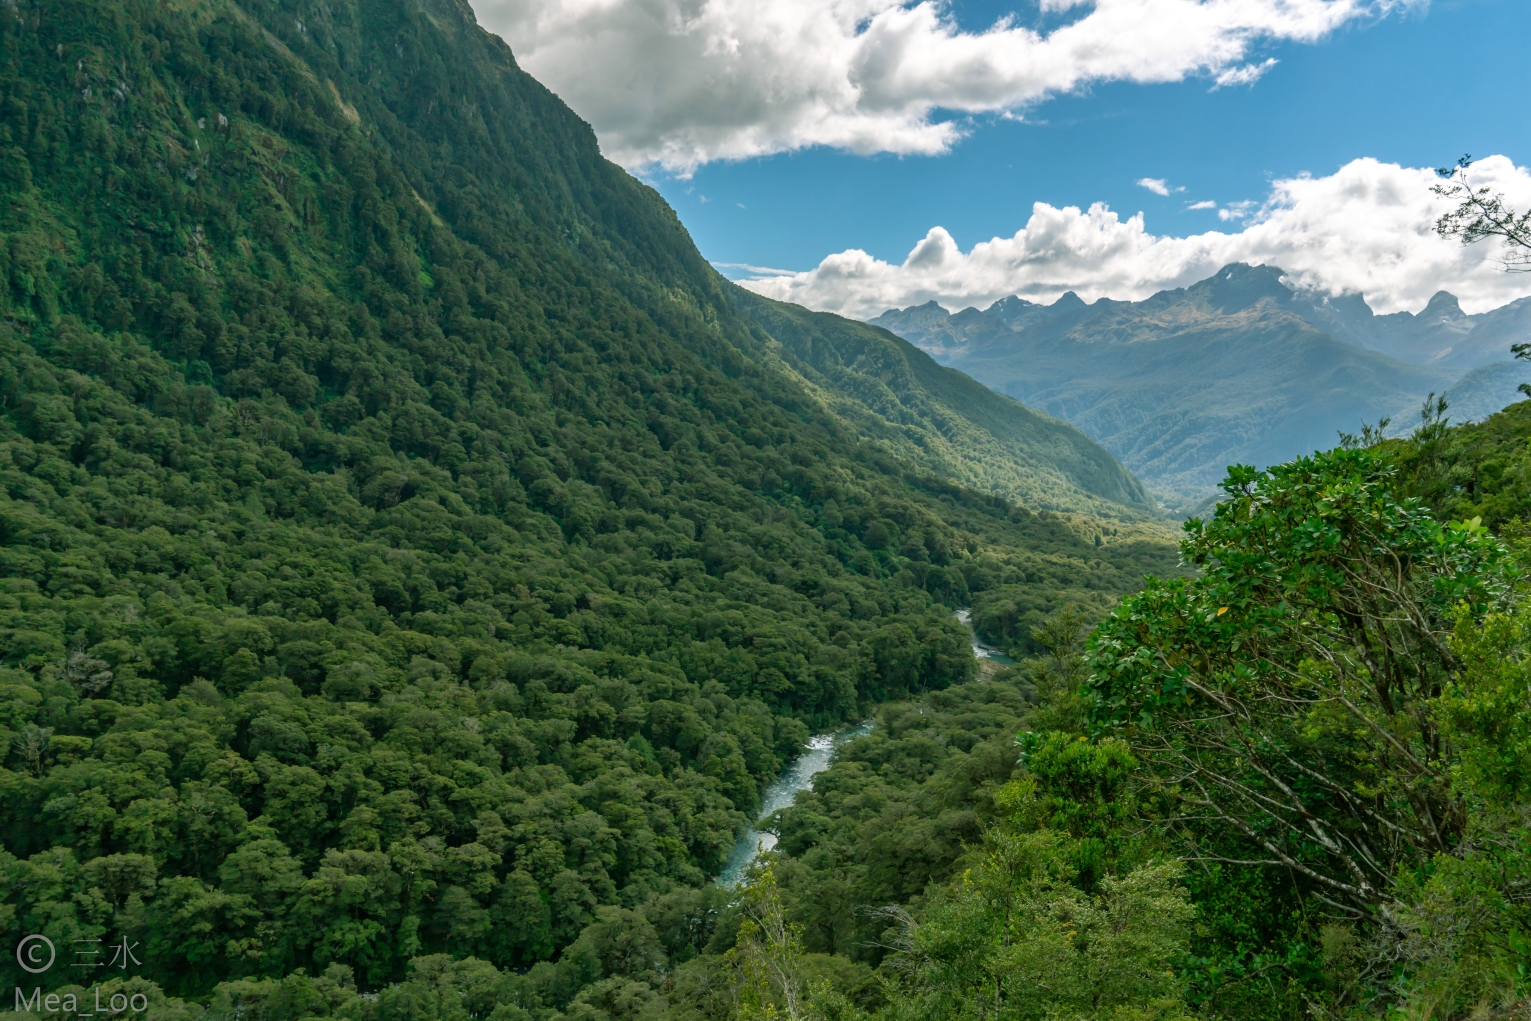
(942, 416)
(408, 544)
(1180, 835)
(1474, 470)
(1485, 391)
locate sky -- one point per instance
(854, 155)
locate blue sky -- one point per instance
(890, 152)
(1418, 88)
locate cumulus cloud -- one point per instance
(1368, 229)
(1206, 204)
(1157, 185)
(677, 83)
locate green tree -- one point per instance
(1015, 938)
(1287, 694)
(1459, 941)
(767, 953)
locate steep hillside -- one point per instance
(944, 417)
(407, 545)
(1483, 392)
(1475, 470)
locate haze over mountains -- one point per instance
(1237, 368)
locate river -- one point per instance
(799, 775)
(796, 777)
(981, 650)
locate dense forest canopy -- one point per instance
(1293, 785)
(416, 559)
(412, 550)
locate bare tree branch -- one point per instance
(1482, 215)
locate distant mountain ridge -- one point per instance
(1237, 367)
(1439, 334)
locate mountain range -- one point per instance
(416, 561)
(1240, 367)
(410, 546)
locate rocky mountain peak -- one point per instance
(1442, 305)
(1238, 286)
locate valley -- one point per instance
(411, 546)
(426, 583)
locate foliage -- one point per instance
(1463, 935)
(1287, 693)
(1015, 938)
(1359, 702)
(767, 951)
(1477, 470)
(412, 563)
(1481, 214)
(895, 811)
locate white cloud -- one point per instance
(1367, 228)
(1156, 185)
(677, 83)
(759, 271)
(1248, 74)
(1207, 204)
(1237, 210)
